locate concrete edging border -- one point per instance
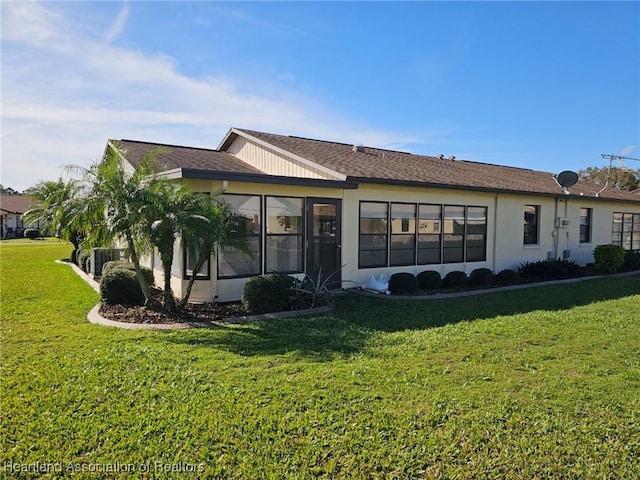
(95, 318)
(483, 291)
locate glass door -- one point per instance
(324, 245)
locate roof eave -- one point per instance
(197, 174)
(440, 186)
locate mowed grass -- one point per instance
(539, 383)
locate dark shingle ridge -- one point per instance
(158, 144)
(410, 153)
(349, 145)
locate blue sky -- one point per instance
(542, 85)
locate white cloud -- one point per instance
(118, 25)
(65, 92)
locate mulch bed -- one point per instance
(207, 312)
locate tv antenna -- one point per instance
(620, 158)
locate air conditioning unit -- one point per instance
(100, 256)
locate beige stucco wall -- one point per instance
(505, 229)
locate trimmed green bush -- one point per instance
(481, 277)
(608, 258)
(506, 277)
(543, 270)
(631, 260)
(429, 280)
(455, 279)
(124, 265)
(31, 233)
(403, 283)
(82, 258)
(268, 293)
(120, 286)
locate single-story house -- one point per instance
(11, 208)
(363, 211)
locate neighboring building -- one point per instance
(11, 208)
(365, 211)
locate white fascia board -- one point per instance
(123, 159)
(335, 175)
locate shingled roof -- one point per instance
(366, 165)
(173, 157)
(389, 167)
(15, 204)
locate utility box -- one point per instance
(100, 256)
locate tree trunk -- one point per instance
(150, 302)
(169, 301)
(196, 268)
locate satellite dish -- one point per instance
(567, 178)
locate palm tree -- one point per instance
(53, 210)
(173, 212)
(224, 228)
(113, 205)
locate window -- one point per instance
(402, 249)
(626, 230)
(476, 238)
(232, 262)
(407, 234)
(585, 225)
(284, 235)
(453, 240)
(373, 234)
(429, 234)
(531, 219)
(190, 259)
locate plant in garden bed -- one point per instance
(543, 270)
(403, 283)
(608, 258)
(455, 279)
(429, 280)
(313, 290)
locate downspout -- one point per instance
(556, 231)
(495, 231)
(566, 213)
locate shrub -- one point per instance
(403, 284)
(267, 293)
(455, 279)
(506, 277)
(632, 260)
(481, 277)
(608, 258)
(77, 258)
(124, 265)
(429, 280)
(312, 290)
(102, 256)
(549, 270)
(31, 233)
(82, 258)
(120, 286)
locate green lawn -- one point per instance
(539, 383)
